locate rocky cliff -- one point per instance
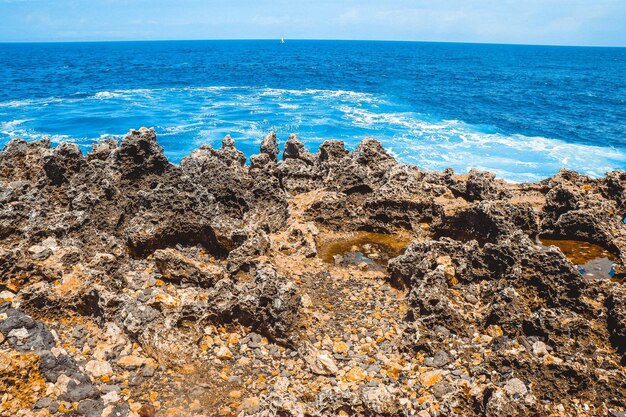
(303, 284)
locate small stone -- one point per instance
(251, 404)
(322, 363)
(441, 388)
(540, 349)
(550, 360)
(90, 408)
(148, 371)
(111, 397)
(340, 348)
(356, 374)
(470, 298)
(131, 362)
(223, 353)
(42, 403)
(6, 296)
(50, 243)
(147, 410)
(440, 359)
(54, 407)
(39, 252)
(110, 388)
(430, 378)
(234, 380)
(98, 369)
(494, 330)
(515, 388)
(20, 333)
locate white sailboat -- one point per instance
(282, 39)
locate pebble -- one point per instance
(42, 403)
(356, 374)
(515, 388)
(147, 410)
(223, 353)
(110, 388)
(39, 252)
(131, 362)
(540, 349)
(430, 378)
(54, 407)
(98, 369)
(441, 359)
(148, 371)
(322, 363)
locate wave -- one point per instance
(9, 127)
(29, 102)
(186, 117)
(318, 94)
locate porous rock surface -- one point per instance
(130, 286)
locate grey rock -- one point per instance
(42, 403)
(91, 408)
(441, 359)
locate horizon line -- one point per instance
(306, 40)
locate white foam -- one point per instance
(105, 95)
(441, 144)
(10, 127)
(26, 103)
(288, 106)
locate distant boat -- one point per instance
(282, 39)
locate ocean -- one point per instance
(522, 112)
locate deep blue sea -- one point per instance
(521, 111)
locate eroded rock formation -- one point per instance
(132, 286)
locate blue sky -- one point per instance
(570, 22)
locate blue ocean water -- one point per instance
(521, 111)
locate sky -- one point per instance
(552, 22)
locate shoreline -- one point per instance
(327, 283)
(85, 149)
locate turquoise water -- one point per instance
(521, 111)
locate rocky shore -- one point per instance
(333, 283)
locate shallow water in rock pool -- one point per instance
(593, 261)
(373, 249)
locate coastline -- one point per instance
(439, 300)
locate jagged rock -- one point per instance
(269, 147)
(488, 222)
(483, 186)
(247, 254)
(139, 154)
(294, 149)
(62, 162)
